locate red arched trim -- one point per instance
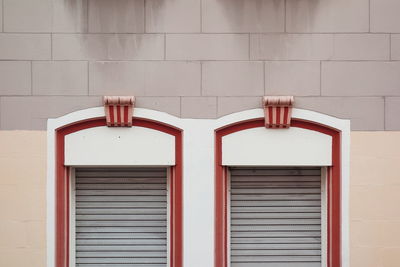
(333, 190)
(63, 194)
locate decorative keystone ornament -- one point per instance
(119, 110)
(278, 111)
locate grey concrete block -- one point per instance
(1, 15)
(171, 105)
(365, 113)
(392, 113)
(227, 78)
(395, 47)
(243, 16)
(228, 105)
(370, 78)
(361, 47)
(108, 46)
(385, 16)
(70, 16)
(327, 16)
(173, 16)
(207, 46)
(145, 78)
(199, 107)
(122, 16)
(15, 78)
(60, 77)
(27, 15)
(298, 78)
(291, 46)
(31, 113)
(25, 46)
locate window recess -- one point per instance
(120, 217)
(275, 217)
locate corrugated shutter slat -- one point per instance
(275, 217)
(121, 217)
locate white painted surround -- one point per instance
(198, 164)
(136, 146)
(277, 147)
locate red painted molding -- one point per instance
(63, 181)
(333, 190)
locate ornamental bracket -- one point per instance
(278, 111)
(119, 110)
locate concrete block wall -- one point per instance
(200, 58)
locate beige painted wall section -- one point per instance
(22, 198)
(375, 199)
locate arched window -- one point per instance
(115, 195)
(279, 193)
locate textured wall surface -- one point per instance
(374, 208)
(22, 198)
(374, 199)
(200, 58)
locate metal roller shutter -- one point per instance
(121, 217)
(275, 217)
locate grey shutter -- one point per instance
(121, 217)
(275, 217)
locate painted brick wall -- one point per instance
(200, 58)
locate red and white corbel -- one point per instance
(278, 111)
(119, 110)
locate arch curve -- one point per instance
(337, 179)
(58, 184)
